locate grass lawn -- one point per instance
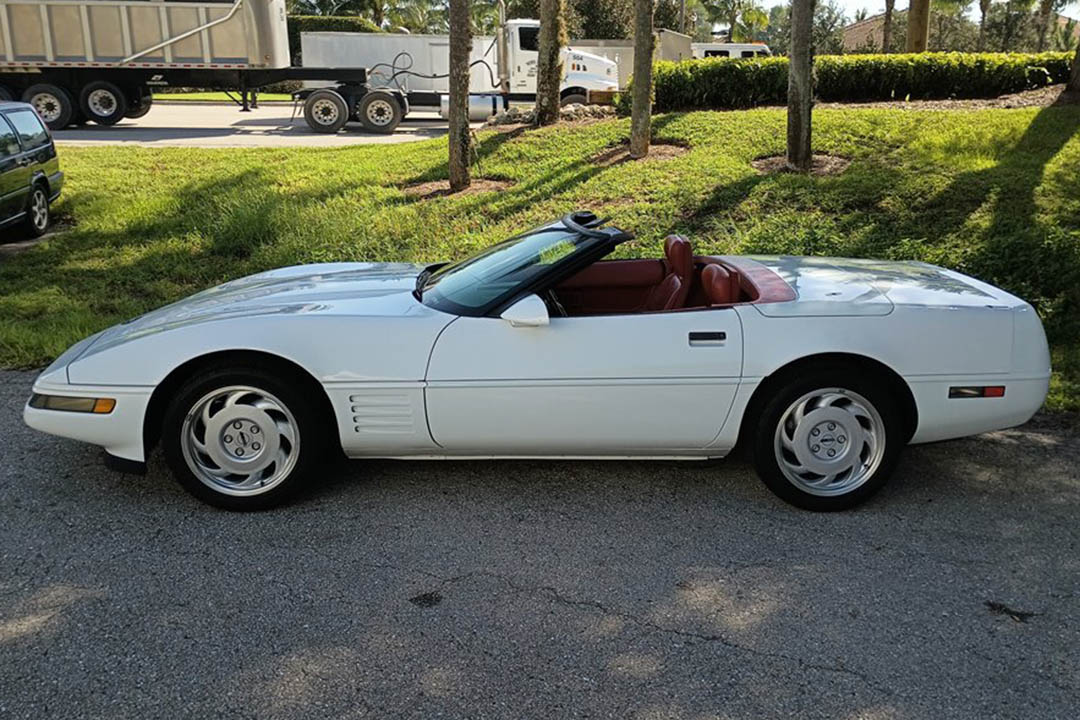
(218, 96)
(994, 193)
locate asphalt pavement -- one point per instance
(195, 124)
(543, 590)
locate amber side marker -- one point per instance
(97, 406)
(984, 391)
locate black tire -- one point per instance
(53, 103)
(38, 213)
(139, 108)
(103, 102)
(326, 111)
(6, 95)
(869, 471)
(311, 429)
(574, 98)
(379, 112)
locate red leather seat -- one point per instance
(671, 292)
(721, 286)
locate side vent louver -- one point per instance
(383, 413)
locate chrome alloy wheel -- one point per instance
(240, 440)
(101, 102)
(829, 442)
(325, 112)
(39, 209)
(48, 106)
(380, 113)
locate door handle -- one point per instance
(707, 338)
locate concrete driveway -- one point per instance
(543, 590)
(218, 125)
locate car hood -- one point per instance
(359, 289)
(845, 286)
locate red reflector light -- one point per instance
(977, 391)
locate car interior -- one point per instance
(679, 281)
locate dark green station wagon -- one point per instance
(30, 177)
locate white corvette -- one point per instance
(823, 369)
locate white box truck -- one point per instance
(417, 65)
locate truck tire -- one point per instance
(53, 103)
(574, 98)
(379, 112)
(103, 102)
(139, 107)
(326, 111)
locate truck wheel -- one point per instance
(103, 102)
(139, 108)
(325, 111)
(53, 104)
(379, 112)
(574, 98)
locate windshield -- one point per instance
(471, 286)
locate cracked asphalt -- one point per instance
(543, 590)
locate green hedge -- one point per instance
(720, 83)
(324, 23)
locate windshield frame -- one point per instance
(596, 243)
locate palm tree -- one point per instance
(641, 107)
(886, 27)
(549, 68)
(984, 10)
(485, 17)
(460, 135)
(743, 17)
(800, 86)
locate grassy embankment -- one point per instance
(995, 193)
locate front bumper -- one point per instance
(119, 432)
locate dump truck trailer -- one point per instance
(99, 60)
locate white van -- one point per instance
(735, 50)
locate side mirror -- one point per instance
(529, 311)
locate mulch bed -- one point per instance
(822, 165)
(658, 150)
(441, 188)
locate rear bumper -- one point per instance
(119, 432)
(942, 418)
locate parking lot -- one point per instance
(542, 590)
(194, 124)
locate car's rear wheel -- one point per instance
(243, 439)
(37, 211)
(828, 440)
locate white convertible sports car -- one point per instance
(822, 368)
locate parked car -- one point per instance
(822, 368)
(30, 177)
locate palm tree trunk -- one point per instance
(918, 28)
(732, 19)
(984, 7)
(800, 86)
(1045, 9)
(460, 137)
(886, 27)
(1074, 81)
(549, 69)
(641, 108)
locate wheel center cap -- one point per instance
(242, 439)
(827, 440)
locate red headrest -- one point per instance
(718, 285)
(680, 256)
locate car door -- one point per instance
(526, 56)
(638, 384)
(14, 173)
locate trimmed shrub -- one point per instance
(324, 23)
(724, 83)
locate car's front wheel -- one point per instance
(828, 440)
(243, 439)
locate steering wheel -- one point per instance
(554, 306)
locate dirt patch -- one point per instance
(620, 153)
(441, 188)
(822, 165)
